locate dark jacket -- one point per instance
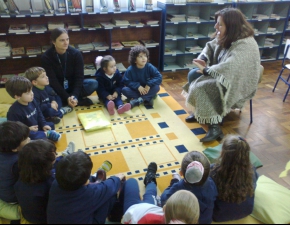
(55, 71)
(44, 97)
(108, 86)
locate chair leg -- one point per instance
(251, 111)
(278, 79)
(286, 93)
(288, 78)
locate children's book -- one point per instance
(74, 5)
(61, 6)
(92, 26)
(33, 50)
(100, 45)
(6, 77)
(149, 43)
(136, 23)
(150, 22)
(89, 5)
(107, 24)
(3, 7)
(24, 6)
(49, 6)
(121, 67)
(116, 45)
(130, 43)
(89, 69)
(18, 51)
(37, 28)
(18, 28)
(12, 6)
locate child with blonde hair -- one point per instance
(110, 85)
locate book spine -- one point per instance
(12, 6)
(4, 6)
(48, 6)
(30, 4)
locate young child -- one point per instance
(110, 85)
(49, 102)
(195, 169)
(73, 199)
(182, 206)
(142, 79)
(26, 110)
(236, 180)
(13, 136)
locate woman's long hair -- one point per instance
(237, 27)
(233, 174)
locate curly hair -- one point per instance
(135, 51)
(233, 174)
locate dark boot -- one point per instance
(190, 119)
(214, 132)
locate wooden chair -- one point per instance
(285, 66)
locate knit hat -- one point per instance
(194, 172)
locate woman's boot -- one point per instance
(214, 132)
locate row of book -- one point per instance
(5, 49)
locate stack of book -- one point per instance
(169, 35)
(53, 25)
(116, 45)
(193, 49)
(136, 23)
(149, 43)
(74, 5)
(176, 18)
(269, 42)
(92, 26)
(18, 28)
(37, 28)
(100, 45)
(150, 22)
(5, 49)
(71, 26)
(169, 51)
(271, 30)
(18, 51)
(121, 67)
(33, 50)
(130, 43)
(89, 69)
(260, 17)
(121, 23)
(193, 19)
(275, 16)
(85, 47)
(107, 25)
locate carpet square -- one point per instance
(141, 129)
(155, 115)
(181, 148)
(164, 95)
(180, 112)
(198, 131)
(98, 137)
(171, 136)
(163, 125)
(62, 143)
(158, 153)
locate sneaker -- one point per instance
(124, 108)
(151, 174)
(111, 107)
(66, 109)
(85, 102)
(106, 166)
(176, 176)
(149, 103)
(52, 135)
(69, 149)
(134, 103)
(54, 120)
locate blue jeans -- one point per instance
(40, 134)
(193, 74)
(118, 101)
(130, 194)
(50, 112)
(89, 86)
(132, 94)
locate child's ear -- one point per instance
(180, 173)
(34, 82)
(17, 97)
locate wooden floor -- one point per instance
(269, 135)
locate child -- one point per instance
(236, 180)
(182, 206)
(142, 79)
(13, 136)
(73, 199)
(110, 85)
(27, 111)
(49, 102)
(195, 169)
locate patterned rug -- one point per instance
(136, 138)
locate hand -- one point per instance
(142, 90)
(34, 128)
(110, 97)
(200, 61)
(115, 95)
(54, 105)
(46, 128)
(121, 176)
(72, 101)
(147, 88)
(201, 67)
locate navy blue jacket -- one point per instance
(226, 211)
(135, 77)
(206, 195)
(108, 86)
(30, 114)
(55, 71)
(33, 199)
(44, 97)
(8, 176)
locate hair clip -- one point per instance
(242, 139)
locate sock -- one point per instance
(140, 100)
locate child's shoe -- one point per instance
(54, 120)
(111, 107)
(66, 109)
(52, 135)
(176, 176)
(149, 103)
(69, 149)
(106, 166)
(151, 174)
(124, 108)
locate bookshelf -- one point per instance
(176, 36)
(81, 35)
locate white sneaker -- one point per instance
(69, 149)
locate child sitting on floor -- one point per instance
(236, 180)
(49, 102)
(110, 85)
(26, 110)
(142, 79)
(195, 169)
(181, 207)
(73, 199)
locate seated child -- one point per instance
(13, 136)
(26, 110)
(195, 170)
(73, 199)
(142, 79)
(182, 206)
(110, 85)
(49, 102)
(236, 180)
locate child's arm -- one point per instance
(155, 76)
(102, 92)
(119, 82)
(129, 82)
(170, 191)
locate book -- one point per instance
(92, 26)
(61, 6)
(12, 6)
(33, 50)
(121, 22)
(117, 5)
(37, 28)
(85, 47)
(107, 24)
(74, 5)
(89, 69)
(53, 25)
(3, 7)
(176, 18)
(6, 77)
(89, 5)
(18, 51)
(48, 6)
(71, 26)
(150, 22)
(44, 48)
(130, 43)
(100, 45)
(18, 28)
(149, 43)
(136, 23)
(38, 6)
(121, 67)
(116, 45)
